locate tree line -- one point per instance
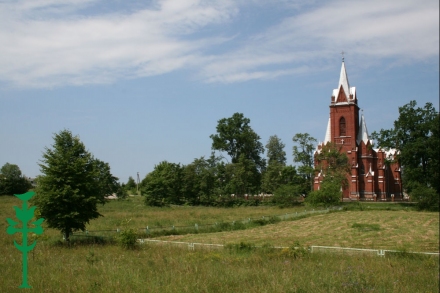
(73, 181)
(238, 171)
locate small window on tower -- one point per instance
(342, 127)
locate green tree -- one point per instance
(199, 180)
(121, 192)
(275, 151)
(164, 185)
(105, 182)
(12, 181)
(130, 186)
(335, 167)
(292, 186)
(276, 158)
(236, 138)
(328, 195)
(72, 184)
(333, 163)
(287, 195)
(303, 154)
(272, 177)
(416, 136)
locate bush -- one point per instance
(426, 197)
(240, 247)
(287, 195)
(295, 251)
(121, 193)
(154, 202)
(127, 239)
(329, 194)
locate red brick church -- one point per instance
(371, 177)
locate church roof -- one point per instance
(328, 137)
(363, 132)
(343, 83)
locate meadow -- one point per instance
(106, 267)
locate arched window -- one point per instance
(342, 127)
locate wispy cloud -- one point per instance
(46, 44)
(370, 31)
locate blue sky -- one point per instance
(145, 81)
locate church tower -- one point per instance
(373, 175)
(344, 113)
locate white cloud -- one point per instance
(47, 44)
(77, 50)
(368, 30)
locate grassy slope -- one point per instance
(413, 231)
(109, 268)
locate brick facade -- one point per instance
(374, 176)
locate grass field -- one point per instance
(152, 268)
(413, 231)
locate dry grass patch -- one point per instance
(413, 231)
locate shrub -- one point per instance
(287, 195)
(295, 251)
(426, 197)
(328, 195)
(240, 247)
(127, 238)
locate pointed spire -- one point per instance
(328, 134)
(363, 132)
(343, 81)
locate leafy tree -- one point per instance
(276, 155)
(291, 177)
(236, 137)
(242, 177)
(427, 198)
(416, 135)
(303, 154)
(130, 186)
(199, 180)
(334, 165)
(72, 184)
(105, 182)
(272, 177)
(121, 192)
(287, 195)
(329, 194)
(275, 151)
(12, 181)
(163, 185)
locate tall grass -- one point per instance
(104, 266)
(155, 268)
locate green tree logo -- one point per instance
(25, 214)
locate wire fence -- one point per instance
(148, 231)
(311, 249)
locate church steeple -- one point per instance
(343, 81)
(363, 132)
(349, 95)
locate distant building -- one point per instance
(373, 176)
(32, 181)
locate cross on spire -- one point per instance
(342, 53)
